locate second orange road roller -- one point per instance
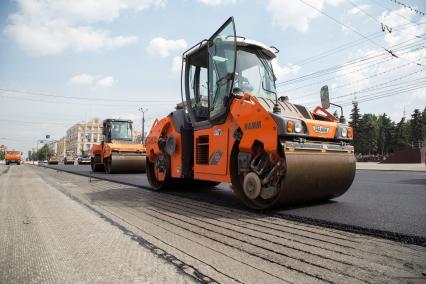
(233, 128)
(117, 153)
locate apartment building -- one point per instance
(62, 147)
(81, 136)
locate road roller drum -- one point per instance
(309, 175)
(127, 163)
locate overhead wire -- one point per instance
(356, 31)
(396, 68)
(383, 85)
(384, 26)
(383, 91)
(13, 97)
(408, 7)
(386, 94)
(76, 98)
(354, 62)
(343, 47)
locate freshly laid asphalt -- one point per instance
(378, 201)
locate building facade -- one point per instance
(83, 135)
(62, 147)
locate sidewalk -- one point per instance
(390, 167)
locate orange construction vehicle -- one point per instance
(13, 156)
(117, 153)
(233, 128)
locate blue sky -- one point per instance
(124, 54)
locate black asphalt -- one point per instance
(378, 201)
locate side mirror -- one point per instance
(325, 97)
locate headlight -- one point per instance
(295, 127)
(344, 132)
(298, 127)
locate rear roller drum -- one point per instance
(158, 172)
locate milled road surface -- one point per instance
(61, 227)
(388, 201)
(47, 237)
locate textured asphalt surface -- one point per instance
(60, 227)
(46, 237)
(386, 201)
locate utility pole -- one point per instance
(143, 110)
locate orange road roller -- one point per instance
(117, 152)
(231, 127)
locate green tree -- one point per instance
(1, 155)
(367, 134)
(354, 123)
(416, 128)
(401, 135)
(385, 131)
(424, 124)
(44, 153)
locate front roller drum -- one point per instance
(310, 176)
(125, 164)
(315, 177)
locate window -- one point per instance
(198, 92)
(222, 56)
(254, 75)
(121, 130)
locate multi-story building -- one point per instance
(81, 136)
(62, 147)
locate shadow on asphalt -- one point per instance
(414, 181)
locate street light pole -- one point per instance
(143, 110)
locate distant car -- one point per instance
(69, 160)
(53, 160)
(85, 160)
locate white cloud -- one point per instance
(359, 9)
(82, 79)
(43, 27)
(290, 13)
(164, 47)
(217, 2)
(281, 72)
(105, 82)
(101, 82)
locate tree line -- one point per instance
(379, 135)
(44, 153)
